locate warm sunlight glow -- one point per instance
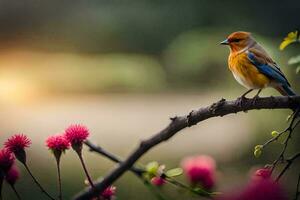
(16, 90)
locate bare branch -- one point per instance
(289, 130)
(178, 123)
(92, 147)
(288, 165)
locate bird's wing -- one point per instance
(266, 65)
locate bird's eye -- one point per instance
(235, 40)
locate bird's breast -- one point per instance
(246, 73)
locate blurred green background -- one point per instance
(123, 68)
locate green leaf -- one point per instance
(298, 70)
(294, 60)
(289, 39)
(152, 167)
(201, 191)
(174, 172)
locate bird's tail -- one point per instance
(285, 90)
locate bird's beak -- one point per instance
(225, 42)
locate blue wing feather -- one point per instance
(268, 70)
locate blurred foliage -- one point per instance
(195, 58)
(292, 37)
(178, 40)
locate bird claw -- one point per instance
(241, 100)
(254, 100)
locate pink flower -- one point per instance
(57, 143)
(200, 170)
(6, 160)
(259, 189)
(158, 181)
(109, 192)
(263, 173)
(76, 134)
(17, 143)
(12, 175)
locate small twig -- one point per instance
(1, 182)
(59, 179)
(290, 130)
(112, 157)
(37, 183)
(200, 191)
(287, 166)
(137, 171)
(15, 191)
(154, 190)
(86, 171)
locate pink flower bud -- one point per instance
(109, 192)
(6, 160)
(57, 143)
(12, 175)
(200, 170)
(76, 134)
(158, 181)
(17, 144)
(263, 173)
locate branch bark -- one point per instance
(178, 123)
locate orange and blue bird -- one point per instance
(252, 66)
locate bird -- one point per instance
(252, 66)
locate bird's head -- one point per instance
(238, 41)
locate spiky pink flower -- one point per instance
(109, 192)
(12, 175)
(57, 143)
(263, 173)
(158, 181)
(17, 143)
(200, 170)
(76, 134)
(6, 160)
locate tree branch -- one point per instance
(92, 147)
(219, 108)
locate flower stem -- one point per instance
(16, 192)
(37, 183)
(154, 191)
(1, 183)
(59, 179)
(86, 171)
(197, 191)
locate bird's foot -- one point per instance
(241, 100)
(254, 100)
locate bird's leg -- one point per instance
(247, 92)
(243, 97)
(256, 96)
